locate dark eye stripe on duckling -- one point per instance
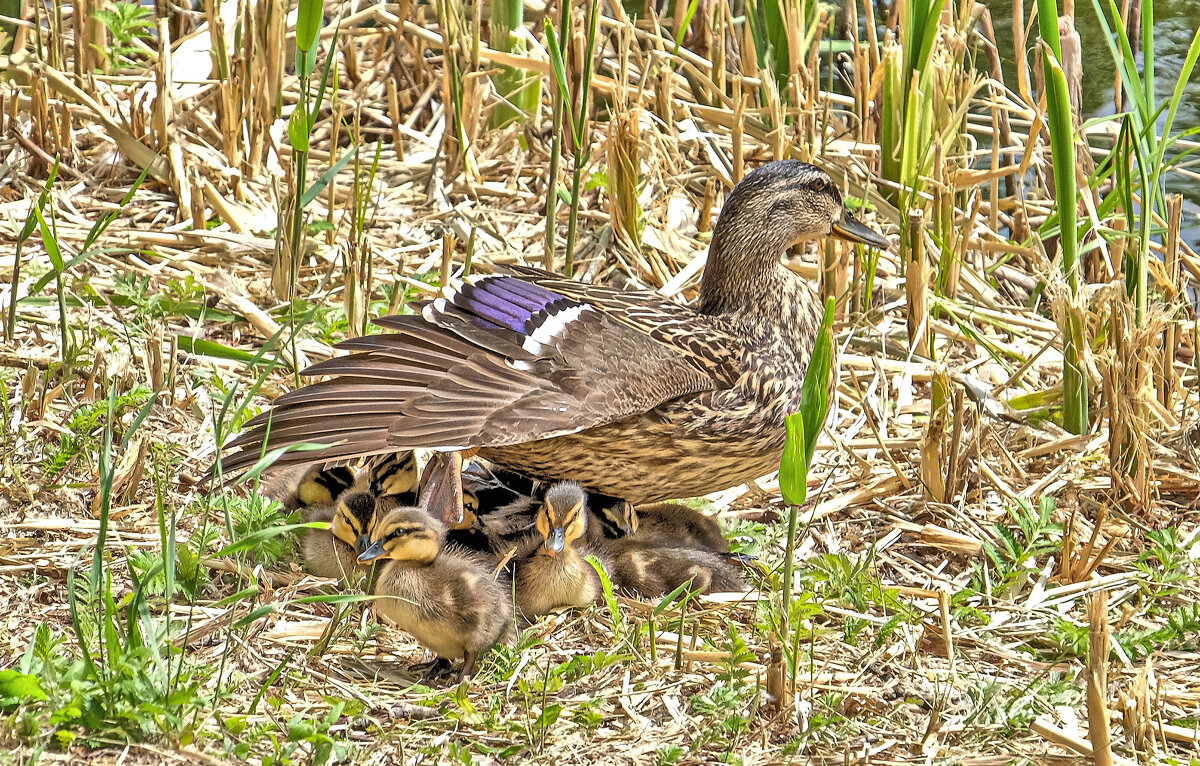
(351, 520)
(399, 532)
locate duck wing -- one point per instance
(497, 360)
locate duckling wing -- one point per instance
(498, 360)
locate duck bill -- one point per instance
(373, 551)
(556, 541)
(362, 543)
(852, 230)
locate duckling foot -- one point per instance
(433, 673)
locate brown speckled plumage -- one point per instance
(627, 393)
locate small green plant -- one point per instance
(84, 428)
(150, 568)
(803, 428)
(305, 737)
(127, 21)
(180, 298)
(1032, 537)
(58, 700)
(1181, 633)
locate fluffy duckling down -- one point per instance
(446, 601)
(553, 572)
(317, 490)
(334, 553)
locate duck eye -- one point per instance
(818, 184)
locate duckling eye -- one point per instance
(818, 184)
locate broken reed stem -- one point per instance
(916, 279)
(1097, 679)
(1166, 372)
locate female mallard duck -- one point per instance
(628, 393)
(445, 601)
(334, 554)
(552, 573)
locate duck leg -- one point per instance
(468, 666)
(441, 490)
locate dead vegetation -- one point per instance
(960, 550)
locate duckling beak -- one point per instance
(374, 551)
(362, 543)
(556, 541)
(851, 230)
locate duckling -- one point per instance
(498, 512)
(610, 518)
(334, 553)
(317, 491)
(394, 475)
(446, 601)
(493, 488)
(552, 573)
(680, 525)
(650, 571)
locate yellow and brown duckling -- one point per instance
(609, 519)
(650, 571)
(446, 601)
(318, 490)
(678, 525)
(395, 476)
(553, 573)
(498, 512)
(334, 554)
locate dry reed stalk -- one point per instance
(1079, 565)
(933, 447)
(264, 44)
(739, 159)
(1127, 380)
(285, 265)
(79, 14)
(916, 281)
(1167, 380)
(1137, 714)
(395, 115)
(623, 150)
(1020, 38)
(228, 101)
(195, 196)
(163, 119)
(835, 274)
(949, 264)
(1002, 128)
(41, 131)
(1097, 679)
(704, 222)
(447, 266)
